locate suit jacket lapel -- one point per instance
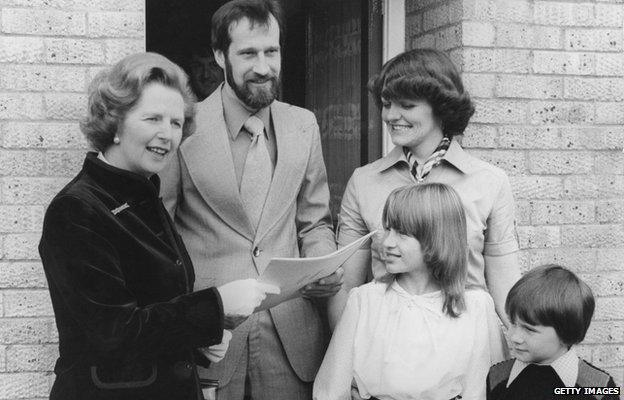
(291, 161)
(208, 157)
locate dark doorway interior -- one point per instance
(330, 49)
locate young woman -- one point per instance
(425, 107)
(418, 334)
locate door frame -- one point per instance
(393, 44)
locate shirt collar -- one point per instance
(455, 155)
(565, 366)
(236, 112)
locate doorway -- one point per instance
(330, 50)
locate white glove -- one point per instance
(241, 297)
(215, 353)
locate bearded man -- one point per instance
(250, 185)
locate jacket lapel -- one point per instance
(292, 156)
(208, 157)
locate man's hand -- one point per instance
(325, 287)
(241, 297)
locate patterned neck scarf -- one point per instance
(420, 171)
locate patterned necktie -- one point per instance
(257, 172)
(420, 171)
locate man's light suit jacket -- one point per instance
(200, 190)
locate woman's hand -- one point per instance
(241, 297)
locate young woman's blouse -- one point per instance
(398, 346)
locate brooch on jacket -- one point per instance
(119, 209)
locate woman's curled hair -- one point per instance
(430, 75)
(114, 91)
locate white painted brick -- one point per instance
(609, 163)
(23, 385)
(592, 235)
(609, 308)
(525, 137)
(528, 86)
(514, 11)
(610, 211)
(456, 11)
(609, 64)
(531, 237)
(16, 49)
(116, 49)
(560, 112)
(74, 51)
(480, 10)
(578, 260)
(2, 357)
(609, 15)
(604, 283)
(30, 358)
(609, 355)
(528, 36)
(512, 161)
(496, 60)
(414, 5)
(563, 14)
(42, 78)
(21, 246)
(610, 259)
(562, 212)
(584, 352)
(25, 330)
(64, 163)
(116, 24)
(21, 162)
(42, 135)
(610, 113)
(27, 303)
(593, 187)
(476, 33)
(561, 162)
(30, 191)
(593, 39)
(109, 5)
(448, 38)
(20, 219)
(43, 22)
(605, 89)
(593, 137)
(558, 62)
(423, 41)
(536, 187)
(499, 111)
(21, 106)
(66, 106)
(523, 260)
(523, 212)
(603, 332)
(479, 136)
(22, 275)
(479, 85)
(413, 25)
(435, 17)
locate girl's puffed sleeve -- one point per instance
(333, 381)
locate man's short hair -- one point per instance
(551, 295)
(257, 11)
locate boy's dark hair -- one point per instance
(551, 295)
(257, 11)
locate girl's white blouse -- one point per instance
(397, 346)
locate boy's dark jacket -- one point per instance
(120, 282)
(588, 376)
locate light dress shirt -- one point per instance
(566, 366)
(483, 188)
(398, 346)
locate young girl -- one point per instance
(417, 334)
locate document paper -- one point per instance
(291, 274)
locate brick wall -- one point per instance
(547, 79)
(49, 51)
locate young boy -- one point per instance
(550, 309)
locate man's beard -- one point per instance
(257, 99)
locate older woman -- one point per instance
(119, 275)
(424, 106)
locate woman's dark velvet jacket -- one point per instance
(121, 281)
